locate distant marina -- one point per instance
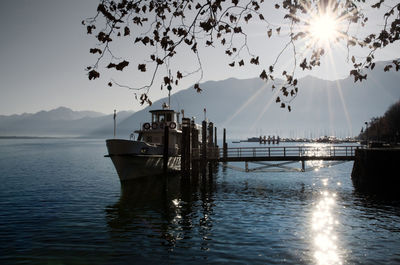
(276, 140)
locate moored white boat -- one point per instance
(144, 156)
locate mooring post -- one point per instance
(210, 151)
(215, 137)
(195, 147)
(204, 143)
(224, 145)
(188, 146)
(210, 134)
(303, 166)
(166, 154)
(210, 144)
(185, 150)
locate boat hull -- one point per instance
(130, 163)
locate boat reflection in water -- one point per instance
(324, 223)
(159, 212)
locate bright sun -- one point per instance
(323, 29)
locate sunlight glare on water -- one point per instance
(323, 229)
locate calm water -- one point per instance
(61, 203)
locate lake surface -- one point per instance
(61, 202)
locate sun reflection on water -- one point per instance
(323, 229)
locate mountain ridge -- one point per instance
(246, 107)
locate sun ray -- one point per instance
(342, 100)
(244, 105)
(259, 116)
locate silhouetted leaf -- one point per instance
(179, 75)
(387, 68)
(142, 67)
(122, 65)
(271, 69)
(119, 66)
(95, 50)
(255, 61)
(126, 31)
(197, 87)
(93, 75)
(264, 75)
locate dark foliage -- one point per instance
(165, 26)
(385, 128)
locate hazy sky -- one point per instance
(44, 50)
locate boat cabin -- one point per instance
(164, 117)
(153, 132)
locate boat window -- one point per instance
(161, 117)
(154, 118)
(168, 116)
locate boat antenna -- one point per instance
(169, 87)
(115, 122)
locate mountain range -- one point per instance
(60, 122)
(244, 107)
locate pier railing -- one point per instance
(289, 153)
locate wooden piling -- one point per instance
(215, 137)
(185, 146)
(204, 143)
(166, 153)
(188, 147)
(210, 135)
(224, 145)
(195, 146)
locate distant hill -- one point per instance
(248, 108)
(57, 122)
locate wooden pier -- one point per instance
(287, 153)
(209, 152)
